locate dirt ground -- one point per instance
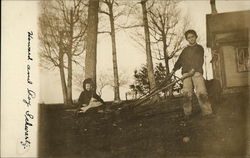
(152, 131)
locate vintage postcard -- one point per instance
(125, 78)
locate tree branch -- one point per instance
(100, 32)
(104, 12)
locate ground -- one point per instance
(152, 131)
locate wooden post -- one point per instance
(213, 7)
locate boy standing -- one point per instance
(192, 57)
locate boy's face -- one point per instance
(191, 38)
(88, 87)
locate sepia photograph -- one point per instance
(125, 79)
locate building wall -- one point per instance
(233, 78)
(226, 22)
(226, 32)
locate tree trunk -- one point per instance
(166, 57)
(150, 67)
(114, 55)
(69, 51)
(64, 87)
(62, 74)
(213, 7)
(91, 44)
(69, 86)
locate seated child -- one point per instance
(88, 98)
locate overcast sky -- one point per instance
(130, 57)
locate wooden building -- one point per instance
(228, 37)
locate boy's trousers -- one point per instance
(197, 83)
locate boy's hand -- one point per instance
(94, 100)
(189, 74)
(83, 105)
(192, 71)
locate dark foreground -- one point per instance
(145, 132)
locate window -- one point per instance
(243, 62)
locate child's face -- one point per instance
(88, 87)
(191, 38)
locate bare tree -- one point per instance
(76, 28)
(150, 67)
(166, 29)
(62, 29)
(105, 79)
(141, 22)
(110, 12)
(102, 82)
(91, 55)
